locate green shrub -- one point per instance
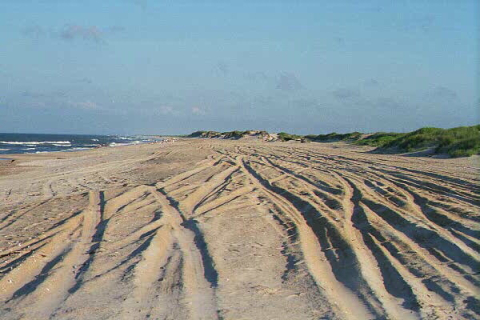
(283, 136)
(330, 137)
(462, 148)
(234, 134)
(456, 142)
(379, 139)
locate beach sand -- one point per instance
(216, 229)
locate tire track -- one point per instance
(399, 198)
(50, 293)
(255, 230)
(199, 275)
(315, 255)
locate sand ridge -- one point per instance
(213, 229)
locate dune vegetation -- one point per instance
(283, 136)
(332, 137)
(455, 142)
(379, 139)
(228, 134)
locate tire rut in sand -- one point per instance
(65, 255)
(315, 256)
(342, 233)
(199, 274)
(398, 281)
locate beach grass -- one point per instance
(379, 139)
(456, 142)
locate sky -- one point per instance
(174, 67)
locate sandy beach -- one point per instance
(217, 229)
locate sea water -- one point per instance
(14, 143)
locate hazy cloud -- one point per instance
(53, 100)
(29, 94)
(288, 82)
(198, 111)
(141, 3)
(263, 100)
(85, 80)
(340, 41)
(305, 103)
(71, 32)
(116, 29)
(371, 82)
(256, 76)
(90, 33)
(305, 107)
(166, 109)
(424, 23)
(222, 68)
(34, 31)
(389, 103)
(444, 93)
(346, 94)
(86, 105)
(41, 95)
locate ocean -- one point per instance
(15, 143)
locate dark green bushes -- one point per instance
(330, 137)
(379, 139)
(456, 142)
(283, 136)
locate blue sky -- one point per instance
(140, 66)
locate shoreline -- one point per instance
(16, 144)
(16, 163)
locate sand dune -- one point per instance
(204, 229)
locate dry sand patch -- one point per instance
(208, 229)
